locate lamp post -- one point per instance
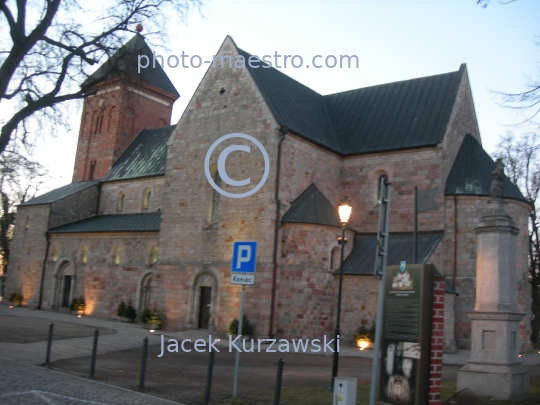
(344, 210)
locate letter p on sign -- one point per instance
(244, 257)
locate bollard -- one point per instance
(94, 353)
(49, 343)
(143, 362)
(277, 392)
(209, 378)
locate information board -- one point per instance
(406, 334)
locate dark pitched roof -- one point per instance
(471, 172)
(113, 223)
(361, 260)
(125, 61)
(406, 114)
(61, 192)
(312, 207)
(145, 157)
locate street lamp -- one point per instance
(345, 209)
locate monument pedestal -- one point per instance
(493, 369)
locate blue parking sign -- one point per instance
(244, 257)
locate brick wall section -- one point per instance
(126, 108)
(28, 248)
(75, 207)
(437, 339)
(133, 195)
(462, 121)
(102, 283)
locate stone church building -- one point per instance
(141, 223)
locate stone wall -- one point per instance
(75, 207)
(101, 282)
(28, 248)
(133, 196)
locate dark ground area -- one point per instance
(181, 376)
(29, 330)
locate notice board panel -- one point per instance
(406, 334)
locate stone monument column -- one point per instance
(494, 369)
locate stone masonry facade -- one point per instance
(194, 251)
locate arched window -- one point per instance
(117, 255)
(84, 254)
(335, 258)
(146, 198)
(120, 202)
(54, 254)
(214, 213)
(27, 223)
(152, 258)
(379, 189)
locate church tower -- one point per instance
(119, 103)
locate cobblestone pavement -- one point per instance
(25, 384)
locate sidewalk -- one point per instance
(129, 336)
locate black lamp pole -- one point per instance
(337, 330)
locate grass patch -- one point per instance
(449, 388)
(321, 396)
(297, 396)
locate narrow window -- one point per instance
(116, 257)
(214, 214)
(120, 202)
(152, 259)
(379, 189)
(84, 254)
(146, 198)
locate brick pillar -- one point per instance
(437, 341)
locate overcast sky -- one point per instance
(393, 39)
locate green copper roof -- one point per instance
(145, 157)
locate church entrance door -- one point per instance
(204, 307)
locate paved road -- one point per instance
(26, 384)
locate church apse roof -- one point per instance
(312, 207)
(145, 157)
(471, 173)
(401, 115)
(361, 261)
(125, 61)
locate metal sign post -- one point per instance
(242, 272)
(238, 332)
(379, 273)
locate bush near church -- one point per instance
(16, 299)
(247, 327)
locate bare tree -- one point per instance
(522, 160)
(51, 46)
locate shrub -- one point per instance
(15, 298)
(121, 310)
(365, 333)
(151, 316)
(77, 304)
(247, 327)
(130, 313)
